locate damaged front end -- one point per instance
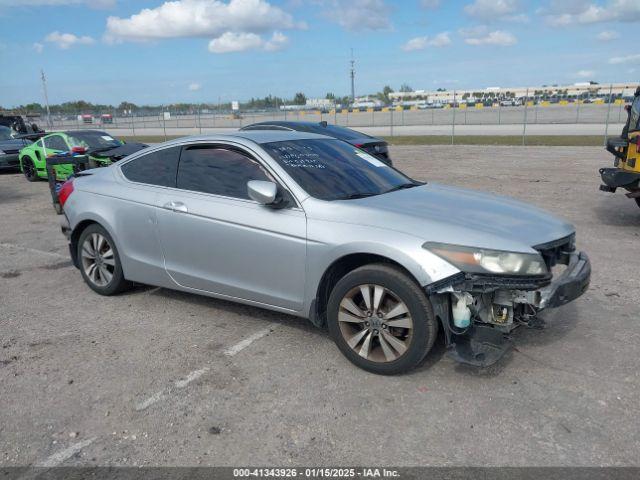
(480, 310)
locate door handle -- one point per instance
(176, 207)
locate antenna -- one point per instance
(353, 75)
(46, 97)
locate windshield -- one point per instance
(92, 140)
(5, 133)
(334, 170)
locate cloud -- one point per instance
(560, 13)
(624, 59)
(194, 87)
(278, 42)
(429, 3)
(489, 10)
(201, 18)
(38, 47)
(67, 40)
(356, 15)
(420, 43)
(230, 42)
(99, 4)
(482, 36)
(585, 73)
(607, 36)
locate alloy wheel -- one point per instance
(98, 259)
(375, 323)
(28, 169)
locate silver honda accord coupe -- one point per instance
(312, 226)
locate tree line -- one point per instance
(269, 102)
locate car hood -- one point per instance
(12, 144)
(440, 213)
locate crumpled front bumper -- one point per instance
(572, 283)
(483, 344)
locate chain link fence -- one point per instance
(385, 121)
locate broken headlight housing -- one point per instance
(487, 261)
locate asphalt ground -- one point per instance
(157, 377)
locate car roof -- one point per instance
(72, 132)
(287, 123)
(255, 136)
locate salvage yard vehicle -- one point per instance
(9, 148)
(626, 151)
(100, 148)
(375, 146)
(311, 226)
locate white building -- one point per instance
(367, 102)
(578, 90)
(319, 103)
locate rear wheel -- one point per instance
(29, 169)
(99, 261)
(638, 201)
(381, 320)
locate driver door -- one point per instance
(215, 239)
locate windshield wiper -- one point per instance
(353, 196)
(403, 186)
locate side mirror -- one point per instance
(263, 192)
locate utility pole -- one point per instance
(353, 76)
(46, 97)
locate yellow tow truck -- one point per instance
(626, 150)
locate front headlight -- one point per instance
(1, 152)
(483, 260)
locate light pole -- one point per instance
(46, 97)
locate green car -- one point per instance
(93, 144)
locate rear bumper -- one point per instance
(613, 178)
(66, 231)
(573, 282)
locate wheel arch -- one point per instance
(337, 270)
(75, 237)
(79, 227)
(22, 157)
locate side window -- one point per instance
(56, 142)
(155, 168)
(217, 170)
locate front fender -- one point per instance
(329, 242)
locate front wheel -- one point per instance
(99, 261)
(29, 169)
(381, 320)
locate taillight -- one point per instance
(359, 145)
(65, 191)
(79, 150)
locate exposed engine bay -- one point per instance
(479, 312)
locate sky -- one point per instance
(155, 52)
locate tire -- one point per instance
(637, 201)
(29, 170)
(411, 323)
(103, 273)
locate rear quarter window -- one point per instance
(155, 168)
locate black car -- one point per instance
(9, 148)
(372, 145)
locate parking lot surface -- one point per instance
(156, 377)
